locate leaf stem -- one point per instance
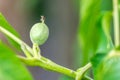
(116, 23)
(81, 71)
(16, 39)
(26, 52)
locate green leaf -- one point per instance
(94, 30)
(88, 32)
(106, 5)
(10, 66)
(63, 77)
(7, 26)
(96, 61)
(107, 67)
(106, 20)
(104, 41)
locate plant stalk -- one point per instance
(42, 62)
(19, 41)
(116, 23)
(51, 66)
(81, 71)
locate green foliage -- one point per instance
(106, 26)
(87, 32)
(94, 30)
(106, 5)
(106, 67)
(63, 77)
(10, 67)
(96, 61)
(7, 26)
(105, 42)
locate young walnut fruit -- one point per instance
(39, 32)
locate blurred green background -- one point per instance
(63, 19)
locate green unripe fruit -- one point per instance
(39, 33)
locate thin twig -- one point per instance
(81, 71)
(43, 62)
(19, 41)
(50, 66)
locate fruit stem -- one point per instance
(36, 51)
